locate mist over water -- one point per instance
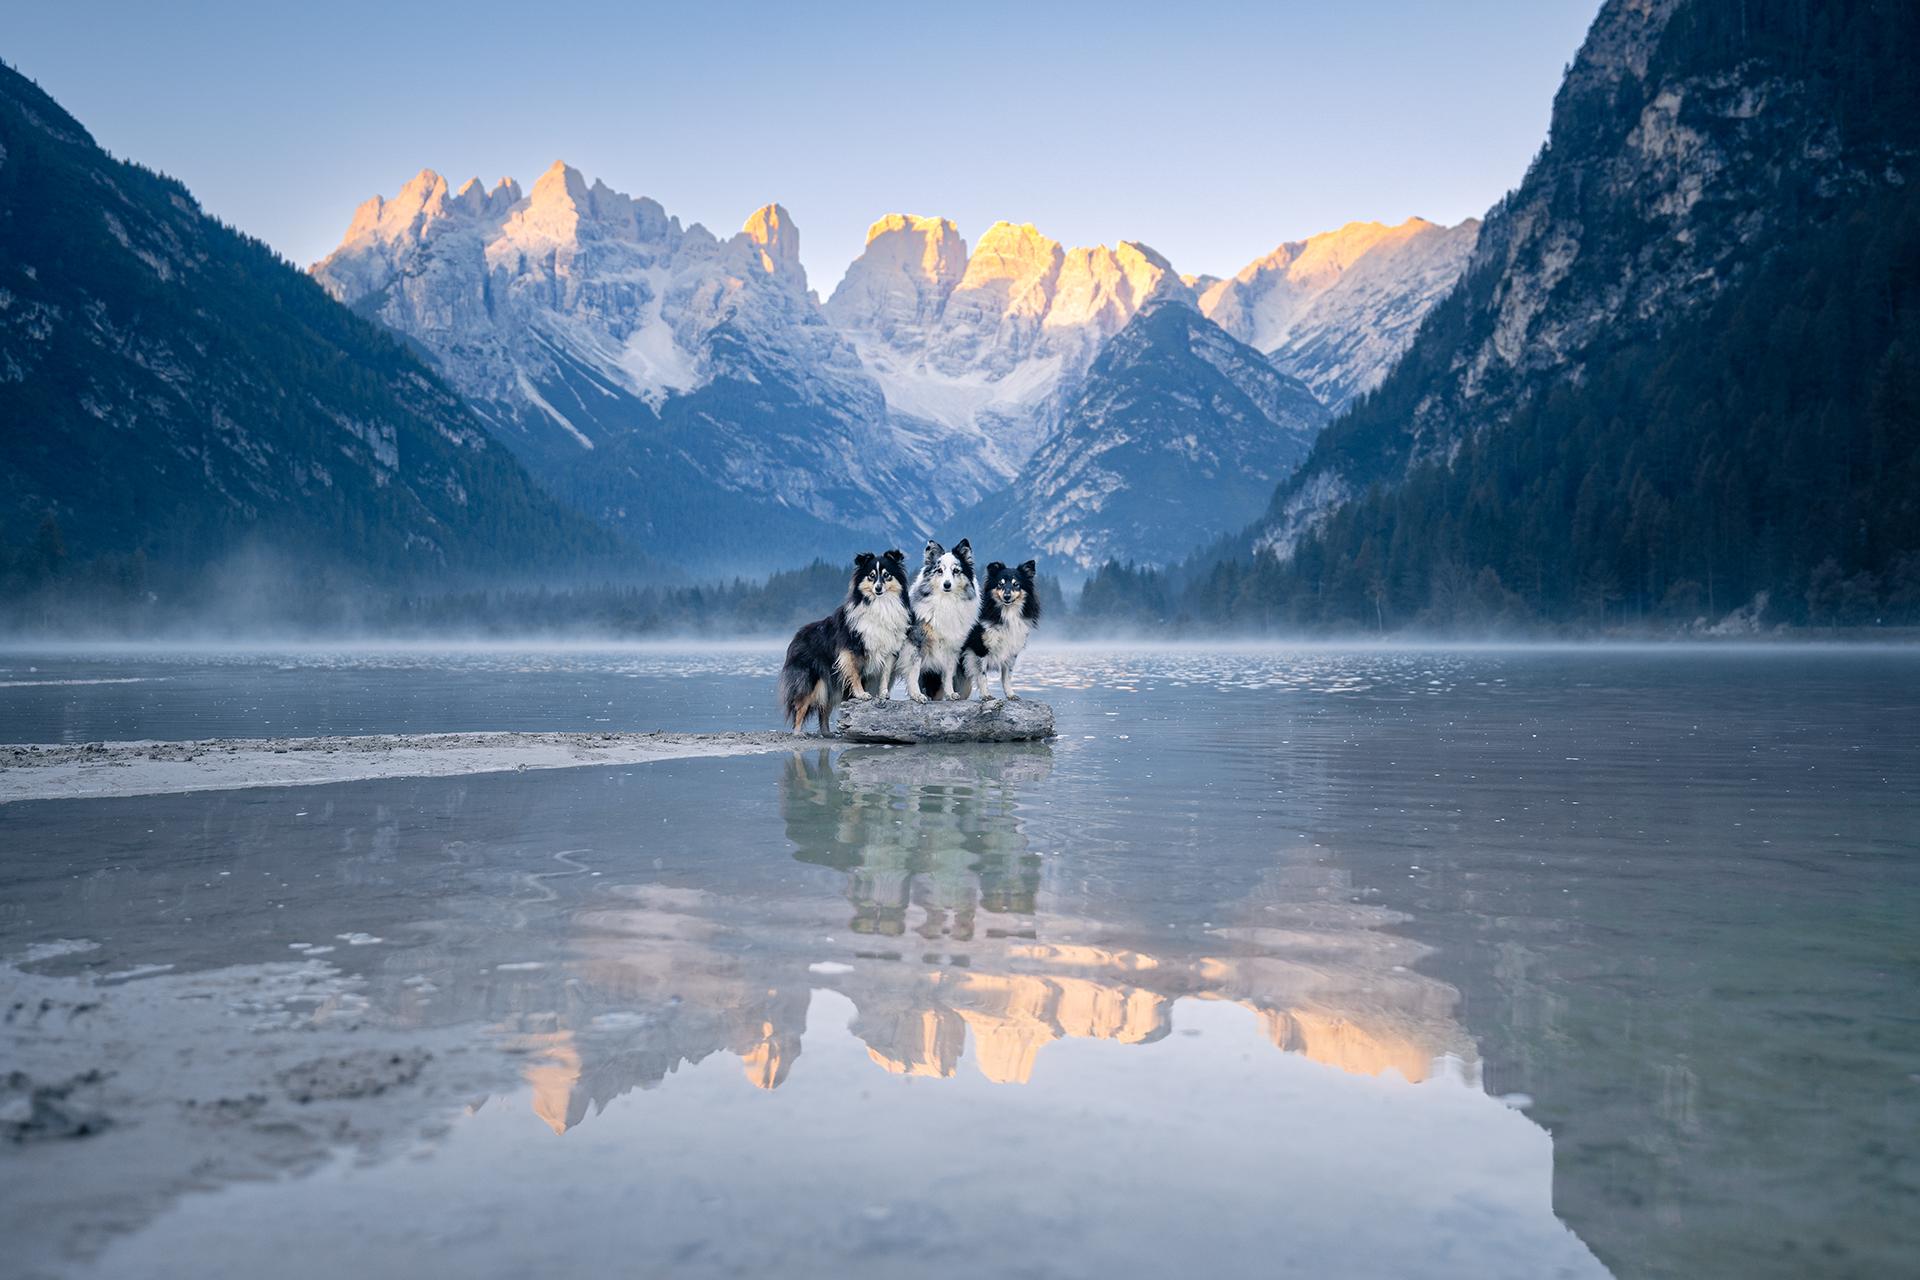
(139, 690)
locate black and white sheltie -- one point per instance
(945, 602)
(1009, 612)
(857, 645)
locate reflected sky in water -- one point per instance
(1452, 963)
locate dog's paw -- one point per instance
(1013, 697)
(862, 696)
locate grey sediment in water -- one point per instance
(31, 771)
(37, 772)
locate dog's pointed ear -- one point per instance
(1029, 568)
(934, 551)
(864, 559)
(994, 570)
(964, 549)
(895, 554)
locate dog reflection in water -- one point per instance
(932, 829)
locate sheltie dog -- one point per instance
(1009, 612)
(944, 602)
(855, 646)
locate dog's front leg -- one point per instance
(886, 680)
(950, 683)
(850, 674)
(1006, 681)
(914, 691)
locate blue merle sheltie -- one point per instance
(850, 653)
(945, 602)
(1009, 612)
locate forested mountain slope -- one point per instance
(1682, 369)
(172, 392)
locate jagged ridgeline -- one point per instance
(689, 388)
(173, 393)
(1683, 367)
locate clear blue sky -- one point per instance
(1210, 131)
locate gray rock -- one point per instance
(986, 720)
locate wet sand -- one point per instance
(39, 772)
(301, 1075)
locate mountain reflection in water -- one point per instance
(951, 945)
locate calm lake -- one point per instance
(1361, 963)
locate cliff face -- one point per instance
(1689, 146)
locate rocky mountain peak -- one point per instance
(471, 199)
(1011, 250)
(932, 232)
(1337, 309)
(422, 201)
(1104, 287)
(770, 230)
(553, 209)
(903, 277)
(421, 188)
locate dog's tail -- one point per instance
(797, 684)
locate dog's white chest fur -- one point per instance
(882, 625)
(945, 619)
(1005, 640)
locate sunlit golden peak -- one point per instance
(770, 228)
(912, 222)
(1009, 233)
(560, 179)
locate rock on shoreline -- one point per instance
(905, 721)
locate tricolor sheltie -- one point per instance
(944, 603)
(852, 652)
(1008, 614)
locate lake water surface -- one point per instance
(1361, 963)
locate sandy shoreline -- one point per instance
(55, 772)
